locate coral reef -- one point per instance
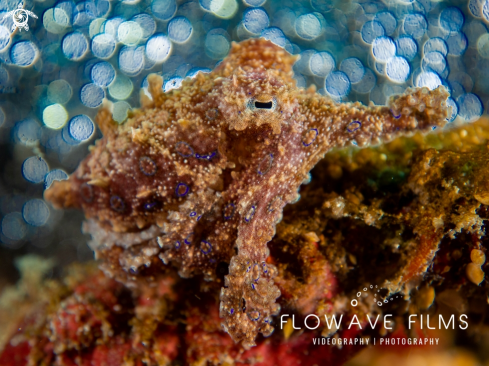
(199, 176)
(93, 320)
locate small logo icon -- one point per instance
(375, 290)
(20, 17)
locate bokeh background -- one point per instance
(77, 55)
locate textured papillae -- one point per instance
(199, 176)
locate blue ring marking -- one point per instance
(232, 212)
(178, 244)
(253, 286)
(265, 270)
(210, 247)
(212, 113)
(396, 117)
(256, 279)
(270, 207)
(147, 159)
(250, 214)
(193, 213)
(188, 236)
(150, 205)
(231, 311)
(183, 155)
(198, 218)
(86, 198)
(178, 189)
(314, 139)
(206, 157)
(270, 162)
(355, 128)
(116, 200)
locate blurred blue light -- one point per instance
(470, 107)
(4, 37)
(34, 169)
(74, 46)
(111, 26)
(366, 84)
(388, 21)
(397, 69)
(27, 131)
(81, 128)
(217, 43)
(436, 44)
(353, 68)
(415, 25)
(429, 79)
(179, 29)
(81, 17)
(337, 84)
(103, 45)
(434, 61)
(97, 8)
(457, 44)
(91, 95)
(131, 60)
(309, 26)
(163, 9)
(59, 91)
(63, 13)
(23, 53)
(255, 20)
(254, 2)
(406, 47)
(322, 63)
(383, 48)
(102, 73)
(147, 24)
(35, 212)
(13, 226)
(158, 48)
(451, 19)
(372, 30)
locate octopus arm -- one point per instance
(336, 125)
(248, 298)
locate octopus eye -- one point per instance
(262, 102)
(261, 105)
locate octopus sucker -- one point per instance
(200, 175)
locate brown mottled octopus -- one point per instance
(200, 175)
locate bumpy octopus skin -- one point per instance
(200, 175)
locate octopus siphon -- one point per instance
(198, 176)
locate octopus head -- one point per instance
(254, 98)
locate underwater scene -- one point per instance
(244, 182)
